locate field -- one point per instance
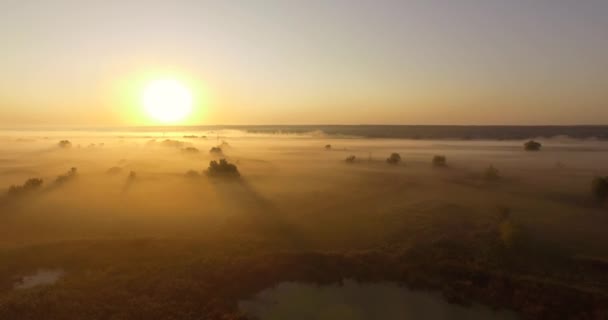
(137, 237)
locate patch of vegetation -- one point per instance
(216, 150)
(350, 159)
(29, 185)
(222, 169)
(191, 150)
(64, 144)
(491, 174)
(192, 174)
(328, 147)
(532, 145)
(114, 171)
(439, 161)
(63, 178)
(599, 188)
(394, 158)
(172, 143)
(132, 176)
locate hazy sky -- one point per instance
(294, 62)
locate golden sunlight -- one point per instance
(167, 100)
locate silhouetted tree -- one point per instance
(222, 168)
(439, 161)
(114, 170)
(132, 176)
(63, 178)
(491, 174)
(64, 144)
(190, 150)
(394, 158)
(328, 147)
(350, 159)
(532, 146)
(192, 174)
(599, 187)
(172, 143)
(216, 150)
(29, 185)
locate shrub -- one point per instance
(63, 178)
(328, 147)
(216, 150)
(491, 174)
(114, 170)
(190, 150)
(599, 188)
(439, 161)
(222, 168)
(29, 185)
(394, 158)
(64, 144)
(172, 143)
(532, 146)
(192, 174)
(350, 159)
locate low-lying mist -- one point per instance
(485, 205)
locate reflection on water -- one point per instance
(41, 277)
(358, 301)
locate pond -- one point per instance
(359, 301)
(40, 278)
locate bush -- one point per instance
(64, 144)
(350, 159)
(192, 174)
(63, 178)
(216, 150)
(114, 170)
(394, 158)
(328, 147)
(440, 161)
(222, 168)
(190, 150)
(29, 185)
(491, 174)
(532, 146)
(599, 188)
(172, 143)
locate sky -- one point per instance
(86, 63)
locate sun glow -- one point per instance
(167, 100)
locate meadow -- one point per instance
(141, 228)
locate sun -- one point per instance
(167, 100)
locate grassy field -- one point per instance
(161, 244)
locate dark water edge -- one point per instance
(360, 301)
(465, 132)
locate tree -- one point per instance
(192, 174)
(64, 144)
(532, 146)
(63, 178)
(190, 150)
(222, 169)
(328, 147)
(216, 150)
(599, 188)
(29, 185)
(491, 173)
(439, 161)
(114, 170)
(394, 158)
(350, 159)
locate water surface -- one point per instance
(359, 301)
